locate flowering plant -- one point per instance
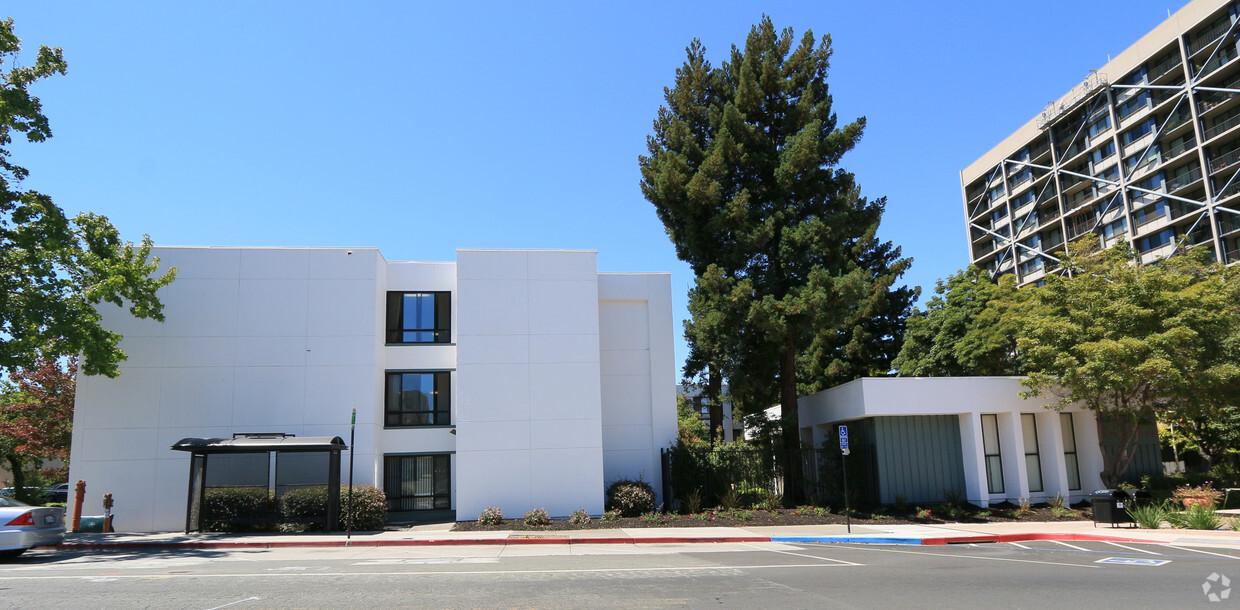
(1202, 495)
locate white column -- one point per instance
(1050, 452)
(1012, 449)
(974, 455)
(1088, 453)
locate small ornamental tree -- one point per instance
(1134, 343)
(36, 417)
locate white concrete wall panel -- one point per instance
(638, 380)
(513, 403)
(290, 340)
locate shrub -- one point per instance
(730, 500)
(952, 497)
(771, 501)
(491, 515)
(237, 509)
(693, 501)
(654, 517)
(1197, 517)
(1024, 506)
(630, 497)
(308, 506)
(1059, 502)
(924, 513)
(1149, 515)
(369, 508)
(610, 516)
(579, 517)
(537, 517)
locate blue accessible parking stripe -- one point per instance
(1134, 561)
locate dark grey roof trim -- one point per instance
(254, 445)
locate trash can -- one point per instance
(1111, 506)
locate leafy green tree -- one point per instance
(967, 328)
(689, 427)
(55, 270)
(743, 170)
(1134, 343)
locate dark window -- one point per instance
(1033, 463)
(417, 482)
(417, 399)
(990, 446)
(1069, 451)
(419, 317)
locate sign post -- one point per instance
(844, 470)
(348, 532)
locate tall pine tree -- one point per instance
(743, 170)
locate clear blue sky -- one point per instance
(422, 127)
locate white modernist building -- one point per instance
(918, 437)
(509, 378)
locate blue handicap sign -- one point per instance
(1134, 561)
(843, 437)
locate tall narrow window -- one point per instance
(990, 446)
(1069, 451)
(419, 317)
(1033, 463)
(417, 482)
(417, 399)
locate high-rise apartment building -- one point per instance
(1146, 149)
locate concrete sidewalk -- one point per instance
(441, 535)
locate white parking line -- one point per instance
(1071, 546)
(1131, 548)
(847, 563)
(248, 599)
(1201, 551)
(1019, 545)
(1047, 563)
(718, 568)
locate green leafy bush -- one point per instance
(631, 498)
(238, 509)
(369, 508)
(579, 517)
(491, 515)
(1149, 515)
(1196, 517)
(537, 517)
(308, 506)
(611, 516)
(693, 501)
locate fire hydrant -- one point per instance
(107, 513)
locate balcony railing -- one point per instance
(1228, 223)
(1217, 62)
(1224, 160)
(1222, 125)
(1175, 121)
(1183, 179)
(1178, 149)
(1161, 70)
(1207, 37)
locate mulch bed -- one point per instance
(754, 518)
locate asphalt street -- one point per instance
(750, 575)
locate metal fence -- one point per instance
(706, 476)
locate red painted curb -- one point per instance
(1029, 537)
(431, 542)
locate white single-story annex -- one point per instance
(510, 378)
(917, 438)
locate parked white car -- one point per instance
(23, 527)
